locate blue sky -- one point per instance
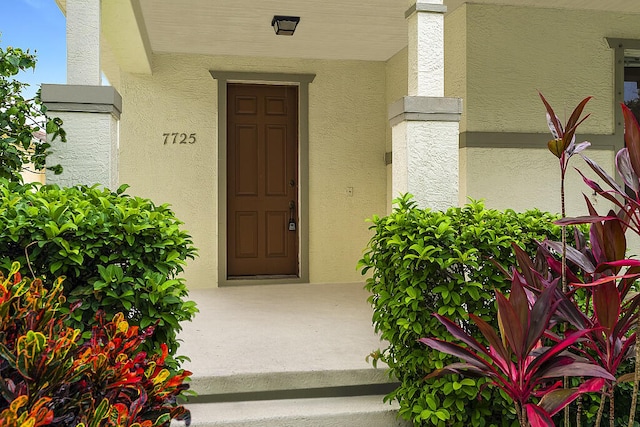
(37, 25)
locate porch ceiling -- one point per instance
(607, 5)
(329, 29)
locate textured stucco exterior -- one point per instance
(513, 52)
(395, 89)
(520, 179)
(85, 157)
(396, 82)
(426, 53)
(422, 157)
(455, 60)
(83, 42)
(90, 155)
(109, 63)
(127, 35)
(347, 117)
(497, 58)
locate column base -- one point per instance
(90, 117)
(425, 137)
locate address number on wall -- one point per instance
(179, 138)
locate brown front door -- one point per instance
(262, 181)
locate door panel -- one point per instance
(262, 175)
(246, 234)
(276, 234)
(276, 152)
(246, 160)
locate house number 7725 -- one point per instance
(179, 138)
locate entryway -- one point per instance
(262, 181)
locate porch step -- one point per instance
(265, 383)
(354, 411)
(285, 355)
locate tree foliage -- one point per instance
(21, 119)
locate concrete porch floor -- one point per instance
(285, 356)
(274, 337)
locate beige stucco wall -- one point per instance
(455, 82)
(93, 137)
(455, 59)
(521, 179)
(109, 64)
(347, 117)
(498, 57)
(396, 81)
(395, 88)
(513, 52)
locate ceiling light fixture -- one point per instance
(285, 25)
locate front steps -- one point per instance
(278, 398)
(285, 355)
(354, 411)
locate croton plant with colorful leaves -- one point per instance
(49, 378)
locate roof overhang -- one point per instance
(124, 29)
(330, 29)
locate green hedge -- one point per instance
(426, 261)
(117, 253)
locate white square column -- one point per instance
(90, 115)
(83, 42)
(425, 22)
(425, 134)
(90, 112)
(425, 125)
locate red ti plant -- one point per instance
(563, 146)
(599, 268)
(516, 360)
(627, 198)
(608, 253)
(612, 311)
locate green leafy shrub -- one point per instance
(48, 379)
(426, 262)
(117, 254)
